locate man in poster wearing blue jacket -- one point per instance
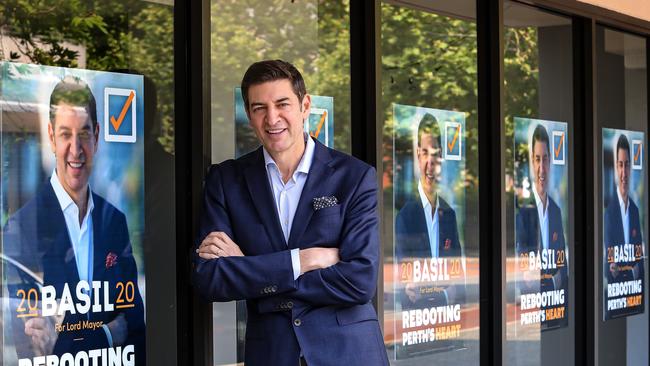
(622, 222)
(71, 236)
(426, 226)
(539, 228)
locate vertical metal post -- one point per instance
(491, 180)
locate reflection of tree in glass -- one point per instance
(521, 76)
(313, 35)
(429, 60)
(113, 35)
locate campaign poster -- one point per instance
(541, 214)
(429, 195)
(73, 283)
(624, 210)
(319, 124)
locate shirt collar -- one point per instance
(424, 199)
(538, 202)
(64, 198)
(621, 202)
(305, 162)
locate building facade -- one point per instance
(532, 253)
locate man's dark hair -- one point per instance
(75, 92)
(429, 126)
(272, 70)
(540, 135)
(622, 144)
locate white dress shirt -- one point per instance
(287, 195)
(542, 215)
(81, 236)
(431, 217)
(625, 215)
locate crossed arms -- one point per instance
(329, 276)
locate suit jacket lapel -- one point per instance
(262, 197)
(100, 247)
(54, 226)
(315, 186)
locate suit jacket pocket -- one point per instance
(328, 211)
(355, 314)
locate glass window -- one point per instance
(538, 101)
(87, 132)
(622, 127)
(315, 37)
(430, 183)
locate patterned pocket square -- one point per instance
(324, 202)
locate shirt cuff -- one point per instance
(295, 263)
(109, 337)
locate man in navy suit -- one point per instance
(425, 226)
(622, 222)
(292, 228)
(539, 227)
(69, 235)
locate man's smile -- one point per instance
(76, 164)
(275, 131)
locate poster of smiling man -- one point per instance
(72, 216)
(624, 209)
(429, 168)
(541, 204)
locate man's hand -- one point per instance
(43, 335)
(118, 329)
(613, 269)
(317, 258)
(412, 291)
(218, 244)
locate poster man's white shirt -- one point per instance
(81, 237)
(625, 216)
(432, 221)
(542, 214)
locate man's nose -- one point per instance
(75, 146)
(272, 115)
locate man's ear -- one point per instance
(306, 106)
(50, 135)
(96, 135)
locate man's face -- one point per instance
(429, 162)
(74, 143)
(277, 116)
(623, 172)
(541, 166)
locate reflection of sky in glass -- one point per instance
(637, 192)
(406, 172)
(118, 172)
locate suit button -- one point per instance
(289, 305)
(274, 288)
(297, 322)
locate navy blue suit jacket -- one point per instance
(326, 314)
(36, 236)
(614, 235)
(412, 237)
(529, 238)
(412, 241)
